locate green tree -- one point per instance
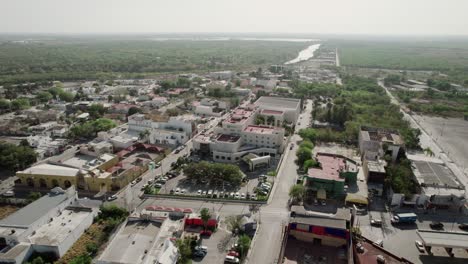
(82, 259)
(310, 163)
(4, 105)
(92, 248)
(96, 111)
(185, 250)
(308, 133)
(297, 192)
(20, 104)
(303, 154)
(271, 120)
(44, 96)
(133, 110)
(205, 216)
(244, 245)
(33, 196)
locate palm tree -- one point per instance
(205, 216)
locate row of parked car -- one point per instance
(263, 188)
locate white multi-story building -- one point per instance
(161, 129)
(240, 134)
(282, 109)
(210, 107)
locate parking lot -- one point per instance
(401, 239)
(255, 186)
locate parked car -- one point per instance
(463, 227)
(210, 192)
(112, 198)
(379, 242)
(199, 254)
(376, 222)
(201, 248)
(436, 225)
(242, 195)
(138, 179)
(158, 185)
(177, 191)
(233, 253)
(206, 233)
(231, 259)
(133, 183)
(237, 195)
(323, 202)
(9, 193)
(199, 192)
(183, 191)
(420, 246)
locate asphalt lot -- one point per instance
(400, 240)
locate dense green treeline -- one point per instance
(73, 60)
(360, 101)
(449, 57)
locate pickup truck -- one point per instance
(407, 218)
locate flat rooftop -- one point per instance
(278, 102)
(434, 174)
(265, 130)
(298, 251)
(443, 239)
(331, 166)
(239, 115)
(271, 112)
(371, 251)
(35, 210)
(131, 242)
(87, 161)
(57, 230)
(50, 169)
(319, 221)
(228, 138)
(381, 135)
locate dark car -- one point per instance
(463, 227)
(436, 225)
(199, 253)
(206, 233)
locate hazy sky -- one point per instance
(397, 17)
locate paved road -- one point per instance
(426, 141)
(276, 214)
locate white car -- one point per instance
(210, 192)
(199, 192)
(419, 245)
(253, 196)
(243, 195)
(231, 259)
(204, 193)
(133, 183)
(232, 195)
(183, 191)
(177, 191)
(9, 193)
(237, 195)
(112, 198)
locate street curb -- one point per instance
(194, 198)
(252, 244)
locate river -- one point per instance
(305, 54)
